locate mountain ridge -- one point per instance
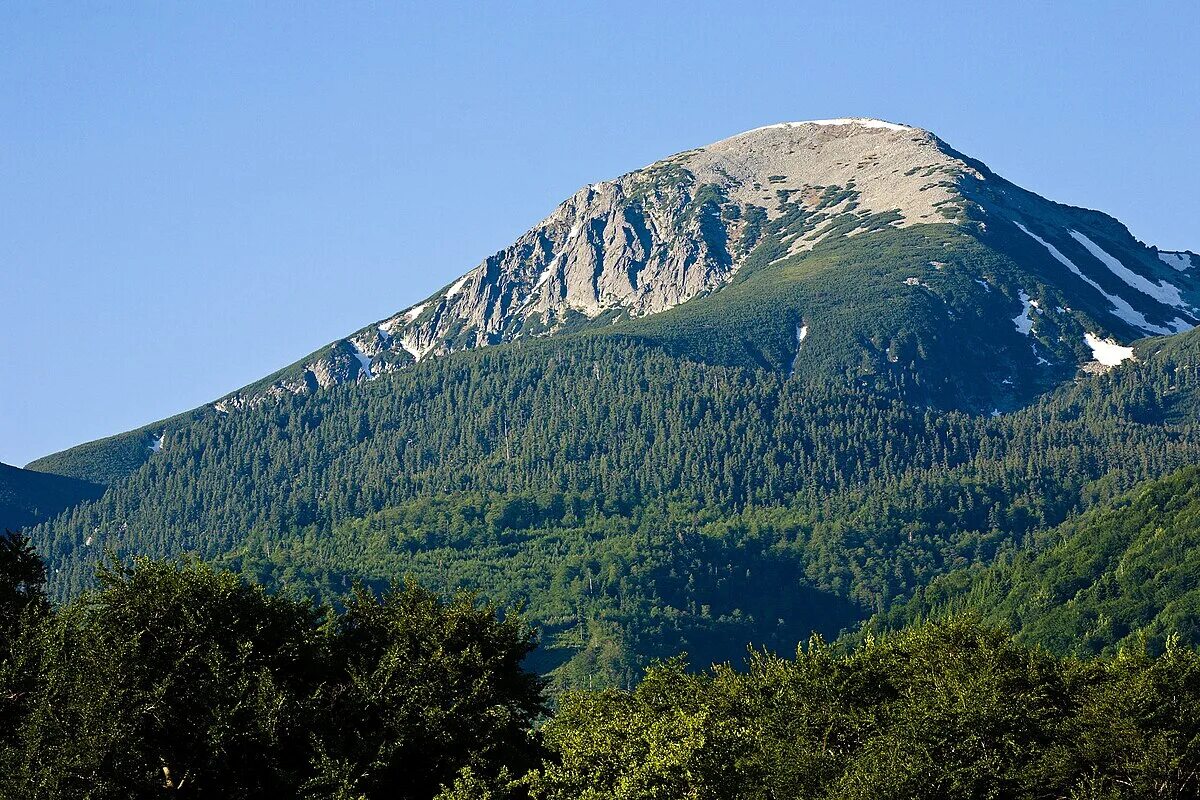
(548, 282)
(28, 497)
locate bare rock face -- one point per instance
(684, 226)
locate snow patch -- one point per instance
(458, 285)
(862, 122)
(1106, 351)
(156, 444)
(364, 360)
(1121, 309)
(801, 335)
(415, 311)
(1162, 291)
(1024, 320)
(986, 286)
(575, 229)
(1178, 261)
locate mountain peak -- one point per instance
(686, 225)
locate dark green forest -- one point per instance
(177, 679)
(635, 504)
(28, 497)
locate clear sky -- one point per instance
(195, 194)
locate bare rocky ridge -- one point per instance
(684, 227)
(661, 235)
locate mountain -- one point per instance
(776, 384)
(933, 269)
(687, 226)
(28, 497)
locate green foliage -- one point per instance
(174, 679)
(22, 584)
(475, 709)
(23, 607)
(942, 711)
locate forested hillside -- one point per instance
(636, 503)
(28, 497)
(1129, 570)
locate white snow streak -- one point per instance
(1162, 291)
(1121, 309)
(458, 285)
(801, 335)
(987, 286)
(364, 360)
(1106, 351)
(415, 311)
(156, 443)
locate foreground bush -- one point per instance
(177, 680)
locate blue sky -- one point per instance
(195, 194)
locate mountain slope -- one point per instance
(686, 226)
(636, 503)
(935, 273)
(27, 497)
